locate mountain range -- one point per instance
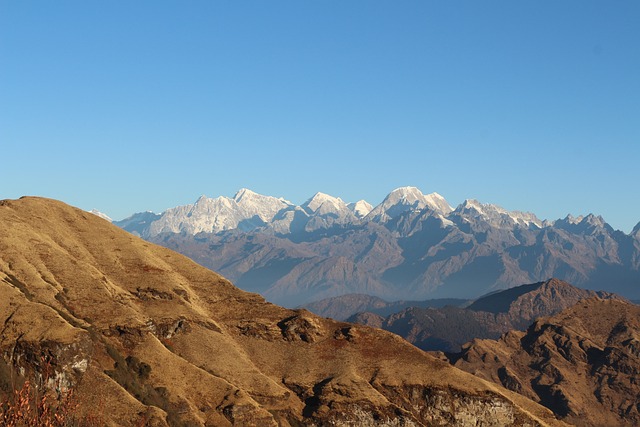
(411, 246)
(145, 336)
(439, 327)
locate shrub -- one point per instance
(32, 405)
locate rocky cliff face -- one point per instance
(145, 334)
(583, 363)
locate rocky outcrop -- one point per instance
(583, 363)
(148, 336)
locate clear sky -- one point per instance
(127, 106)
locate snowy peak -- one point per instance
(326, 211)
(438, 203)
(406, 195)
(584, 224)
(590, 219)
(253, 204)
(475, 208)
(407, 199)
(496, 215)
(246, 196)
(247, 210)
(322, 204)
(360, 209)
(594, 220)
(244, 193)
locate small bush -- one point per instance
(32, 405)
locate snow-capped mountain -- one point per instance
(248, 210)
(323, 204)
(326, 211)
(264, 207)
(410, 246)
(495, 215)
(360, 209)
(138, 223)
(408, 199)
(583, 224)
(245, 211)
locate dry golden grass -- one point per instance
(146, 332)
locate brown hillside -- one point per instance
(583, 363)
(140, 331)
(448, 328)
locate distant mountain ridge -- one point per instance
(446, 328)
(344, 307)
(248, 210)
(411, 246)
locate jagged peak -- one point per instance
(488, 210)
(361, 203)
(361, 208)
(404, 199)
(589, 223)
(573, 219)
(438, 202)
(206, 202)
(244, 192)
(406, 193)
(322, 199)
(245, 195)
(436, 196)
(481, 208)
(595, 220)
(323, 196)
(472, 203)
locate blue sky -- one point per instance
(129, 106)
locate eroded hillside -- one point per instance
(583, 363)
(141, 332)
